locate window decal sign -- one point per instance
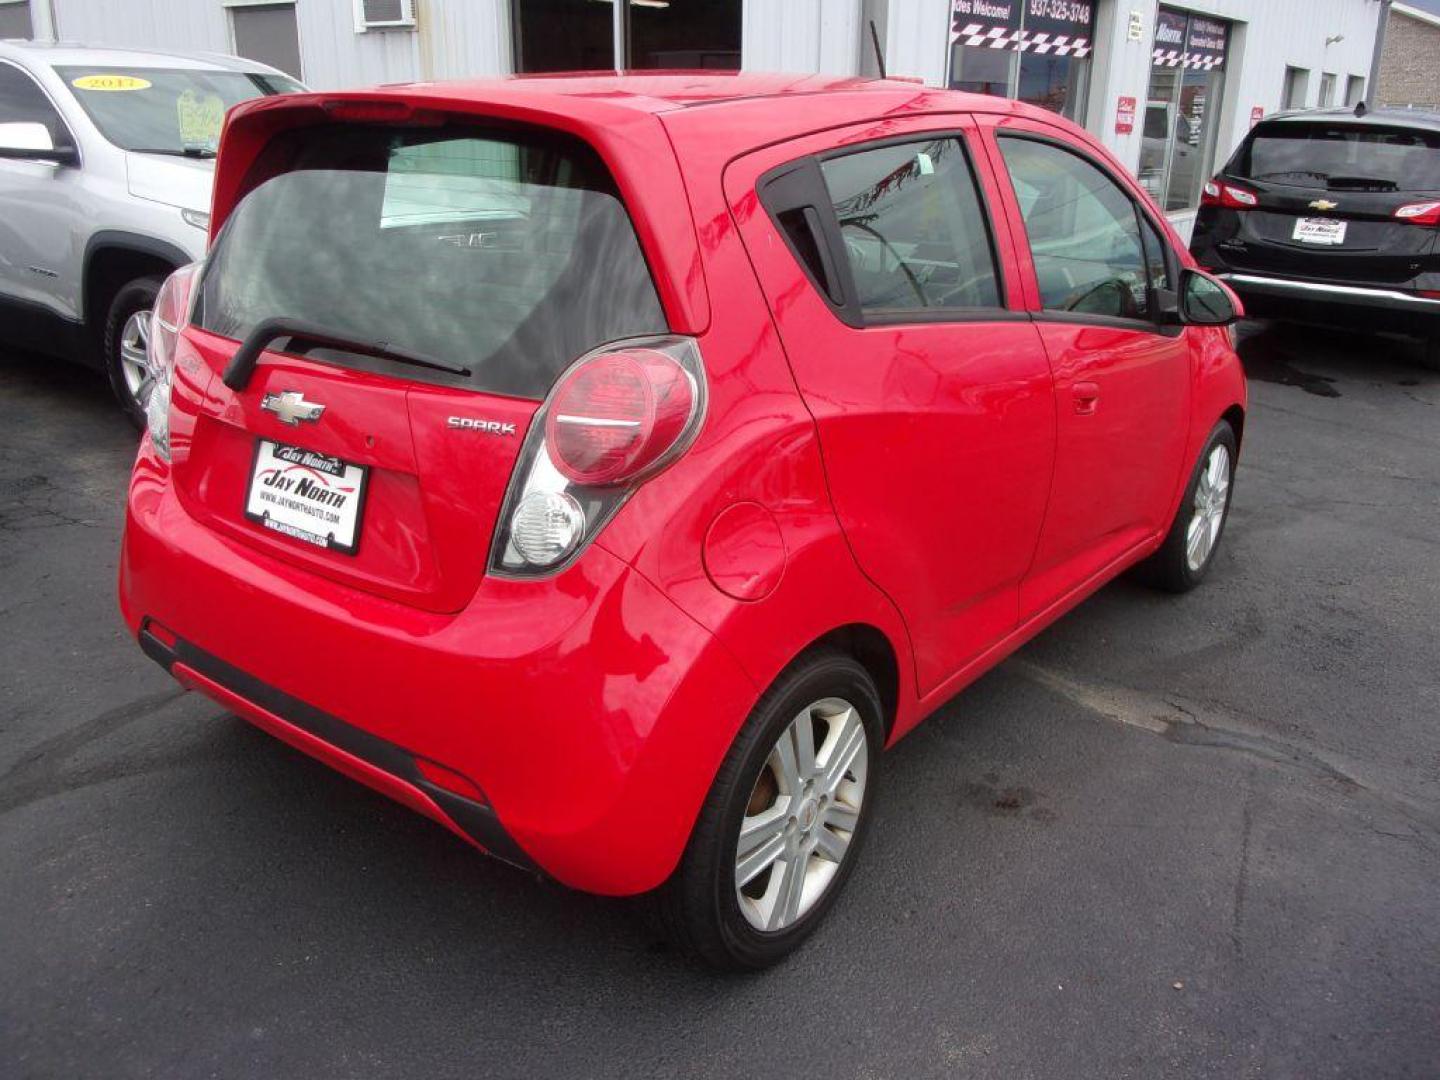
(1206, 44)
(1046, 27)
(110, 83)
(1192, 41)
(985, 24)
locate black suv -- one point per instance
(1331, 216)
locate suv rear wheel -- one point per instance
(782, 826)
(127, 333)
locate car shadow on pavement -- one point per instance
(1318, 360)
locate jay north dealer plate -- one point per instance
(308, 496)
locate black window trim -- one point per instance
(804, 172)
(1154, 323)
(59, 112)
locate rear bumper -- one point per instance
(586, 714)
(1370, 307)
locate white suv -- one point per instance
(106, 161)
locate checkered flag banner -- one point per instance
(1176, 58)
(977, 36)
(1053, 44)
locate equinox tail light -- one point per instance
(1425, 213)
(167, 318)
(1219, 193)
(617, 416)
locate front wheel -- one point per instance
(125, 343)
(780, 831)
(1190, 546)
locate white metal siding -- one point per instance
(801, 35)
(454, 39)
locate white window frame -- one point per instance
(405, 22)
(231, 5)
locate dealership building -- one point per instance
(1170, 88)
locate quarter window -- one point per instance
(21, 101)
(913, 227)
(1083, 230)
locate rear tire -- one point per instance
(825, 703)
(1430, 356)
(127, 331)
(1189, 549)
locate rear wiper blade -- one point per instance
(1291, 172)
(201, 152)
(242, 364)
(1374, 183)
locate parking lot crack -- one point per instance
(1185, 722)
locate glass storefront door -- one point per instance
(1187, 77)
(1037, 51)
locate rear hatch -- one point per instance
(455, 270)
(1328, 191)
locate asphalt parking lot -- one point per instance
(1172, 837)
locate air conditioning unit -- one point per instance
(384, 15)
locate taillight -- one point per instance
(615, 418)
(1424, 213)
(1219, 193)
(167, 318)
(616, 414)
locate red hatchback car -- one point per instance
(610, 467)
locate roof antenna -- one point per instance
(1360, 109)
(879, 55)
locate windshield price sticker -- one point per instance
(110, 83)
(200, 119)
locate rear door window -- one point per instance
(508, 253)
(913, 227)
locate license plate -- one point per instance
(1310, 230)
(307, 496)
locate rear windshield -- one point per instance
(504, 252)
(1342, 157)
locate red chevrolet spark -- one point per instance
(609, 468)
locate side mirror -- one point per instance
(26, 141)
(1205, 301)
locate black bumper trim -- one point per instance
(475, 819)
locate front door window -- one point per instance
(1187, 77)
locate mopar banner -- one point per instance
(1169, 48)
(1060, 27)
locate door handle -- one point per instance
(1087, 397)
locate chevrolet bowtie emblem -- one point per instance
(291, 407)
(1323, 204)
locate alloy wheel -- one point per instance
(135, 356)
(1212, 499)
(802, 815)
